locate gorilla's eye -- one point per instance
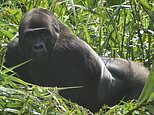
(29, 37)
(44, 34)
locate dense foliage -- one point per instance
(113, 28)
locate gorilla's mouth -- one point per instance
(40, 57)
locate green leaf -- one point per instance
(87, 34)
(148, 90)
(144, 3)
(14, 67)
(7, 33)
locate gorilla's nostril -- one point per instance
(38, 46)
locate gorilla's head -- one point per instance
(38, 33)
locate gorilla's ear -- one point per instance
(57, 27)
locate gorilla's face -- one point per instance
(37, 44)
(37, 36)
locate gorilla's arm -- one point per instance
(108, 89)
(124, 69)
(13, 57)
(133, 75)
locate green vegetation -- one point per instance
(113, 28)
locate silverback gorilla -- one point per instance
(61, 59)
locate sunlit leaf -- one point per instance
(148, 90)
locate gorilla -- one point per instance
(58, 58)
